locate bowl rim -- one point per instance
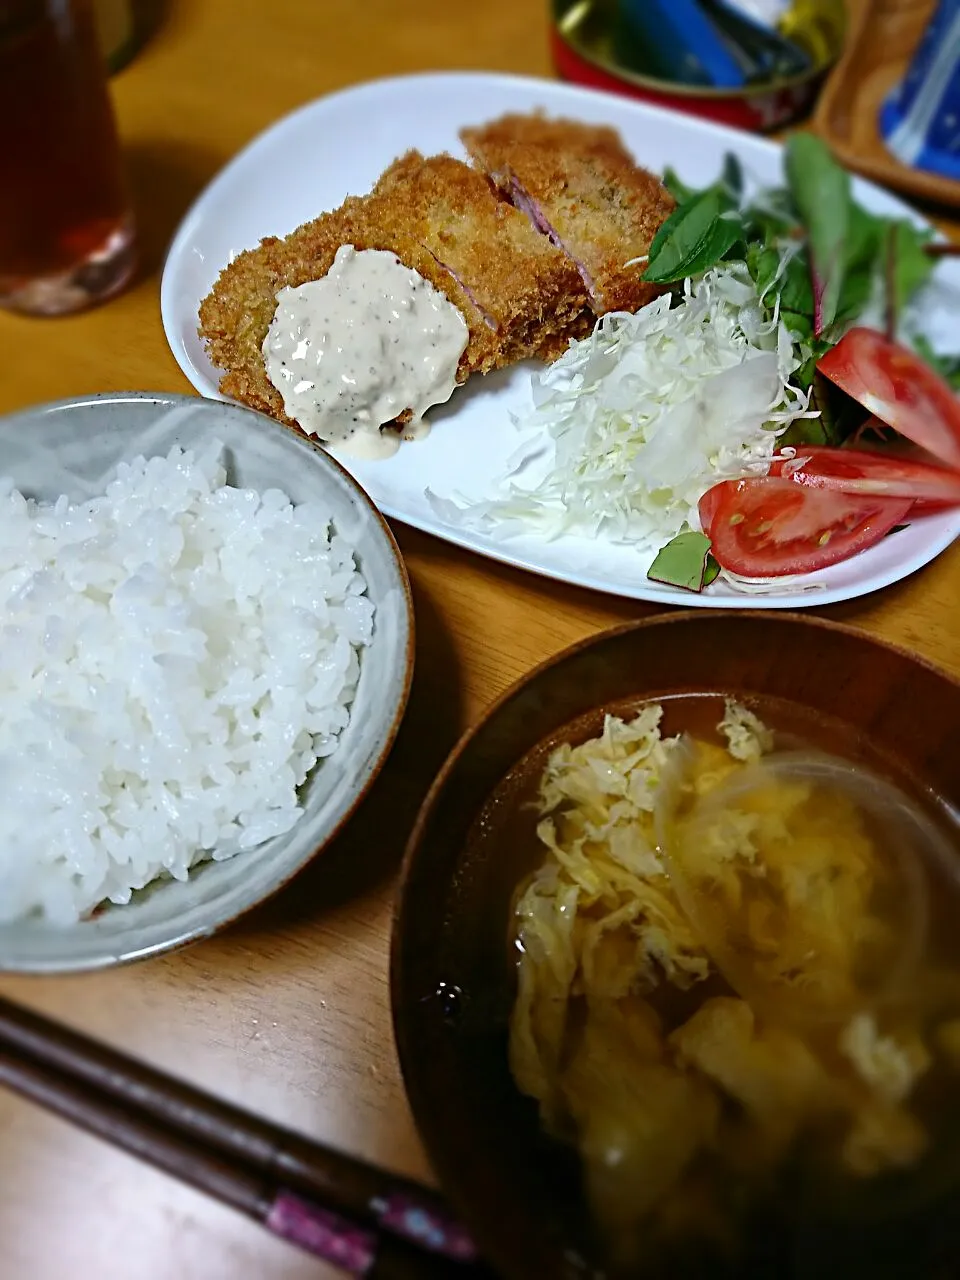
(416, 1086)
(197, 934)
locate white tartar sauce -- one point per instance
(352, 351)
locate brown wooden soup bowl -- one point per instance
(452, 972)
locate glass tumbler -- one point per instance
(66, 228)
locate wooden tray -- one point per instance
(883, 35)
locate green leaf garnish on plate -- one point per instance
(685, 562)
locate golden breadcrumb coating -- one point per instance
(530, 292)
(582, 187)
(236, 315)
(521, 292)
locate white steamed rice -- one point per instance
(175, 657)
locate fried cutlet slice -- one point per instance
(236, 314)
(581, 188)
(529, 291)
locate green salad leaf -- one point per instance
(909, 265)
(817, 257)
(820, 262)
(731, 176)
(680, 191)
(821, 193)
(948, 367)
(685, 562)
(796, 291)
(694, 238)
(863, 265)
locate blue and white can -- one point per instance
(920, 120)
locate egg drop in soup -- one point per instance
(757, 1062)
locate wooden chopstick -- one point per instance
(351, 1211)
(359, 1250)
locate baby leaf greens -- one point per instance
(813, 252)
(694, 238)
(823, 268)
(908, 265)
(820, 190)
(948, 367)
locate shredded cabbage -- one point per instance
(794, 584)
(648, 412)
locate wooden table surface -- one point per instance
(287, 1012)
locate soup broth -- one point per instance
(714, 1138)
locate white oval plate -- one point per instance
(311, 160)
(73, 447)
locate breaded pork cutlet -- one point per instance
(529, 291)
(582, 189)
(520, 292)
(237, 313)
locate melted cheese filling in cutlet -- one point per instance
(354, 350)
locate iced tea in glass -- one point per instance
(66, 230)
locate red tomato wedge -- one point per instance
(899, 388)
(770, 526)
(886, 475)
(707, 507)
